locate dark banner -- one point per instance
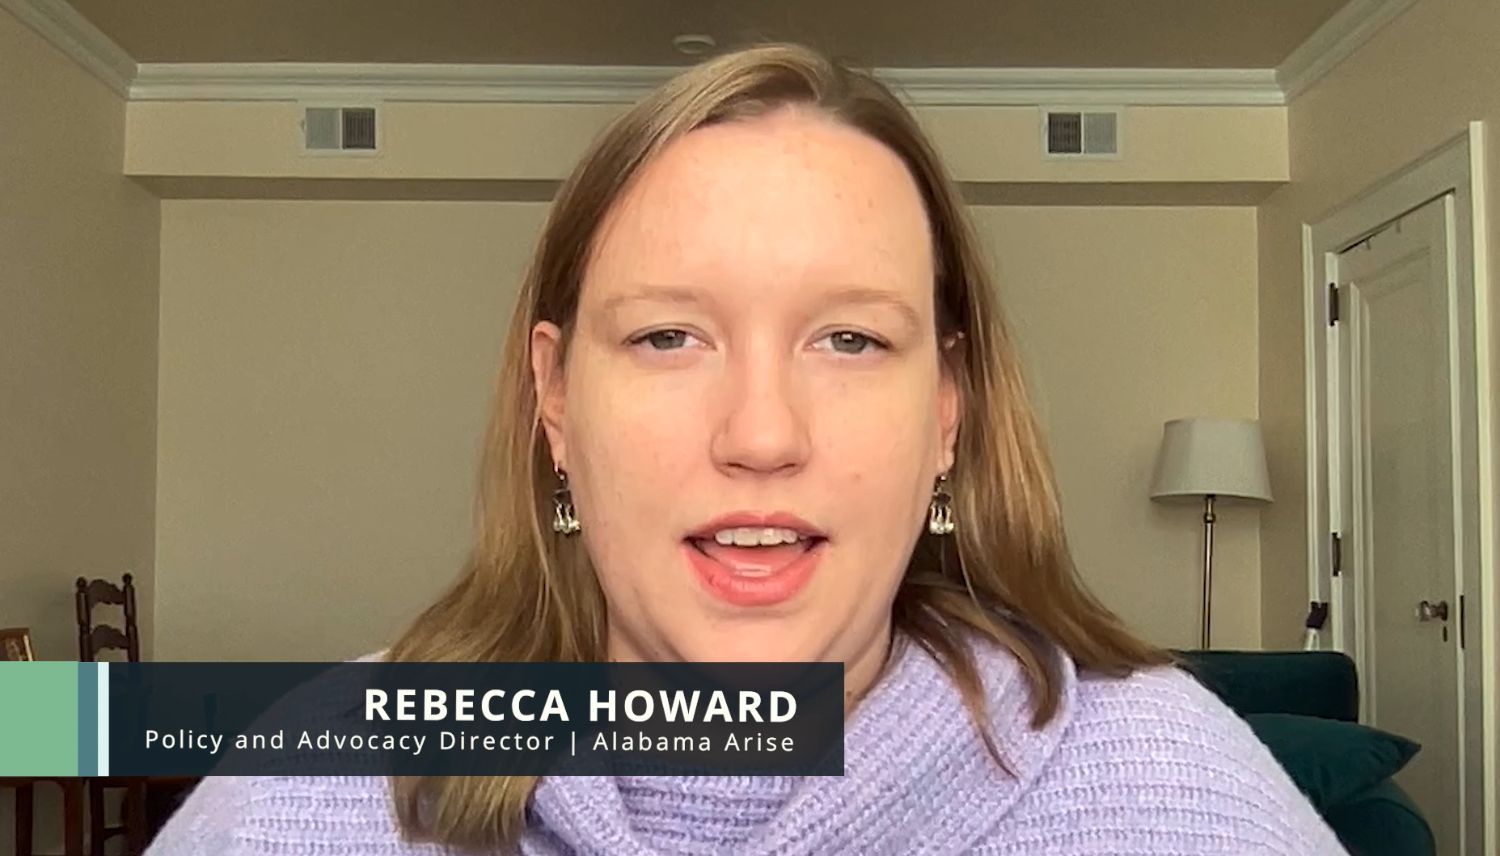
(581, 719)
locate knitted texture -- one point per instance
(1149, 764)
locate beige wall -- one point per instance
(325, 367)
(78, 271)
(78, 256)
(1128, 317)
(1411, 88)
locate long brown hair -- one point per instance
(528, 594)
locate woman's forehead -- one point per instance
(788, 195)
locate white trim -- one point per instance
(101, 741)
(1315, 319)
(1489, 576)
(84, 43)
(375, 82)
(576, 84)
(1333, 42)
(1450, 168)
(1091, 87)
(1409, 188)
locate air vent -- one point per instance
(339, 129)
(1078, 133)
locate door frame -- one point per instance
(1456, 167)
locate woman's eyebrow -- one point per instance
(865, 294)
(649, 292)
(841, 296)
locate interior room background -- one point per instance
(255, 380)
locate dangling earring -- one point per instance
(564, 516)
(940, 513)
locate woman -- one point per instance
(757, 383)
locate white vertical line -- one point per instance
(1314, 389)
(102, 743)
(1488, 602)
(1456, 462)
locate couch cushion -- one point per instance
(1382, 821)
(1312, 683)
(1330, 760)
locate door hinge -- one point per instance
(1461, 622)
(1336, 552)
(1333, 303)
(1317, 615)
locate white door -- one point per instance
(1408, 491)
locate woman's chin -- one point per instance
(777, 643)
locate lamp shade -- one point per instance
(1219, 457)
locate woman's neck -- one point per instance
(862, 672)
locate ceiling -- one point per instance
(879, 33)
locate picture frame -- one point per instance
(15, 644)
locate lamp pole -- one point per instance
(1208, 566)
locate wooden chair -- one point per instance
(15, 645)
(92, 640)
(72, 793)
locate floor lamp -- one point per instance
(1211, 459)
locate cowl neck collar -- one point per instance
(917, 777)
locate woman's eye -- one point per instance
(662, 340)
(852, 342)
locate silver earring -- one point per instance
(564, 516)
(940, 513)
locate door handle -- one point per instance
(1428, 611)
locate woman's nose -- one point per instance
(763, 426)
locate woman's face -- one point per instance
(752, 409)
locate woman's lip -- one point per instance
(696, 540)
(756, 520)
(758, 589)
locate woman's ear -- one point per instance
(547, 375)
(950, 402)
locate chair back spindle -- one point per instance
(94, 638)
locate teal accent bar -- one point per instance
(88, 718)
(39, 718)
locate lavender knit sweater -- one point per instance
(1152, 764)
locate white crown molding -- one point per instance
(59, 23)
(1085, 86)
(1332, 43)
(71, 33)
(624, 84)
(442, 82)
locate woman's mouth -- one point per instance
(759, 567)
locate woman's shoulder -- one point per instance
(1162, 716)
(1150, 697)
(252, 815)
(1155, 753)
(1152, 714)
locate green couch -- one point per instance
(1284, 686)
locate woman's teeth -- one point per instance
(747, 536)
